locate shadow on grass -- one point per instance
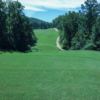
(33, 49)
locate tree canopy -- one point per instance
(80, 30)
(16, 31)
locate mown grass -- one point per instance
(46, 40)
(49, 74)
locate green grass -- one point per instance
(46, 40)
(49, 74)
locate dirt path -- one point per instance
(58, 44)
(56, 29)
(58, 41)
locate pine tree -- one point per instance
(91, 11)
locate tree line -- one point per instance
(80, 30)
(16, 31)
(40, 24)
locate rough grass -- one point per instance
(49, 74)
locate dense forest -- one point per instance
(80, 30)
(16, 31)
(40, 24)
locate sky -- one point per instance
(49, 9)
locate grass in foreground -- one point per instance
(50, 74)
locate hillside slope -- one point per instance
(39, 24)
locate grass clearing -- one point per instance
(49, 74)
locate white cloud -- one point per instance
(38, 5)
(34, 8)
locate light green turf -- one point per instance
(46, 40)
(49, 74)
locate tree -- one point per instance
(19, 28)
(2, 25)
(70, 27)
(96, 34)
(16, 31)
(91, 11)
(58, 22)
(81, 30)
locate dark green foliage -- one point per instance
(81, 30)
(58, 22)
(3, 35)
(96, 34)
(39, 24)
(91, 11)
(17, 31)
(78, 41)
(68, 25)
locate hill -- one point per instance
(39, 24)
